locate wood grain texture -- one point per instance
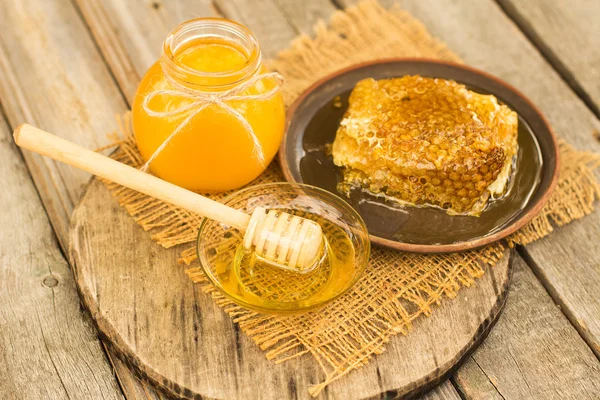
(117, 26)
(301, 15)
(48, 347)
(444, 391)
(568, 34)
(132, 387)
(179, 339)
(52, 76)
(73, 96)
(52, 146)
(266, 20)
(458, 31)
(483, 36)
(532, 353)
(130, 33)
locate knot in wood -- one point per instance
(50, 281)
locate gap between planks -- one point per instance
(549, 55)
(334, 3)
(61, 249)
(61, 244)
(539, 274)
(445, 390)
(101, 54)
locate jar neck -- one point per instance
(203, 31)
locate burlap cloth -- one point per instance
(396, 287)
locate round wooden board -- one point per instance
(176, 337)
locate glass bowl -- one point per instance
(251, 283)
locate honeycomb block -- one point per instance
(426, 142)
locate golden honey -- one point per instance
(425, 141)
(213, 151)
(256, 283)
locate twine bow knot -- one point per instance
(201, 100)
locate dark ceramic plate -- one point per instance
(312, 123)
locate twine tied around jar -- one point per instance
(201, 100)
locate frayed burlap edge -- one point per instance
(396, 287)
(574, 196)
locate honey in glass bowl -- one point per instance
(255, 283)
(212, 149)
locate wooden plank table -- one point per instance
(70, 66)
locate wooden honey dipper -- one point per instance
(288, 241)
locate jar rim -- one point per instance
(211, 27)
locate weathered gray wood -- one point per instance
(52, 76)
(60, 186)
(130, 33)
(568, 267)
(177, 337)
(474, 384)
(48, 348)
(265, 19)
(532, 353)
(481, 34)
(484, 37)
(117, 25)
(445, 38)
(444, 391)
(568, 34)
(302, 15)
(132, 387)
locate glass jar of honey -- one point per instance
(208, 116)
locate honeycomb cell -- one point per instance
(426, 141)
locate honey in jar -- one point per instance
(211, 105)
